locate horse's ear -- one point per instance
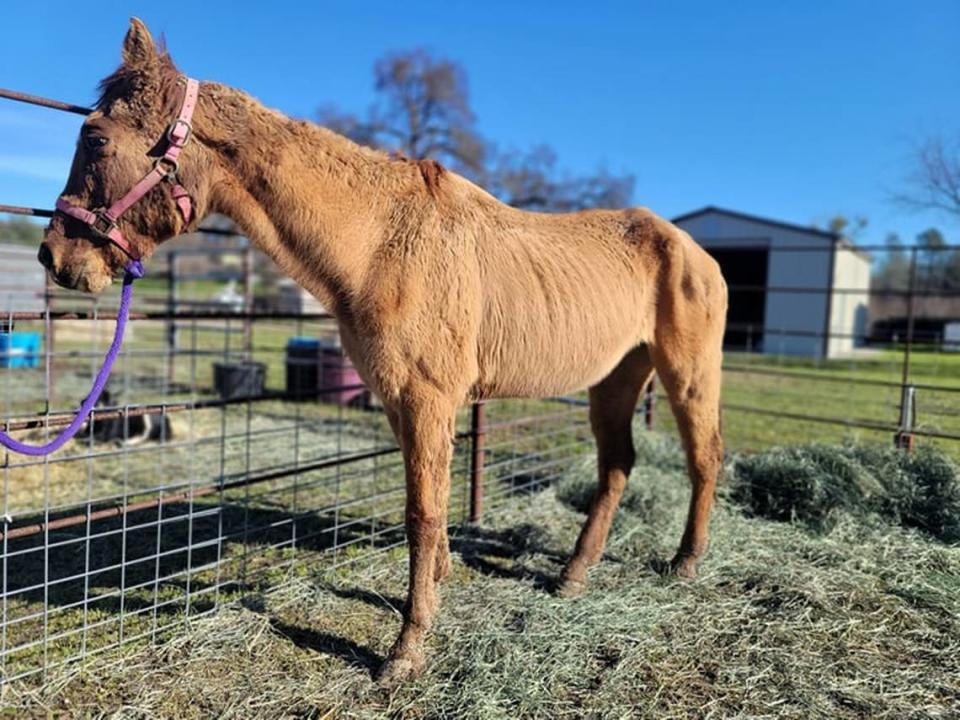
(139, 51)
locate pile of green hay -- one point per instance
(817, 484)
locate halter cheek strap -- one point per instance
(103, 222)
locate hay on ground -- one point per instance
(858, 619)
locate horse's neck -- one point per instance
(305, 196)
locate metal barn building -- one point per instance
(794, 290)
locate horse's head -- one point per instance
(120, 143)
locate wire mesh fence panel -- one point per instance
(220, 461)
(178, 496)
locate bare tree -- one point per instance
(934, 181)
(848, 228)
(422, 110)
(531, 181)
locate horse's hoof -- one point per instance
(397, 670)
(684, 566)
(571, 588)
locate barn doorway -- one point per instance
(745, 270)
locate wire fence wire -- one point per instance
(126, 533)
(183, 494)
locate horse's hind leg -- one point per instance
(612, 404)
(688, 365)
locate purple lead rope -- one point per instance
(134, 270)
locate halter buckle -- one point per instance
(169, 167)
(187, 133)
(107, 227)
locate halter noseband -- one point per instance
(103, 222)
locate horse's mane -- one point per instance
(125, 79)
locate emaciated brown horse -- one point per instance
(443, 294)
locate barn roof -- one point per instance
(835, 237)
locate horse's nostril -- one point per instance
(45, 256)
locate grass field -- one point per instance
(855, 618)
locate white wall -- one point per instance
(848, 310)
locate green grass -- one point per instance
(848, 619)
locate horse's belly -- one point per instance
(545, 364)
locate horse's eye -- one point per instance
(95, 142)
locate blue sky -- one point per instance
(797, 111)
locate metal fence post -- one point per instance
(904, 437)
(247, 301)
(171, 313)
(649, 398)
(478, 429)
(50, 329)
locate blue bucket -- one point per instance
(20, 349)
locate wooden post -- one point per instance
(477, 431)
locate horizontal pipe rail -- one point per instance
(43, 421)
(863, 424)
(119, 510)
(805, 375)
(185, 316)
(19, 210)
(44, 102)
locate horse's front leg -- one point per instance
(423, 419)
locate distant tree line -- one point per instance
(938, 266)
(422, 110)
(19, 230)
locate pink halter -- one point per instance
(104, 222)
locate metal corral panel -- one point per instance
(799, 286)
(22, 279)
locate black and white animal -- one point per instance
(127, 431)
